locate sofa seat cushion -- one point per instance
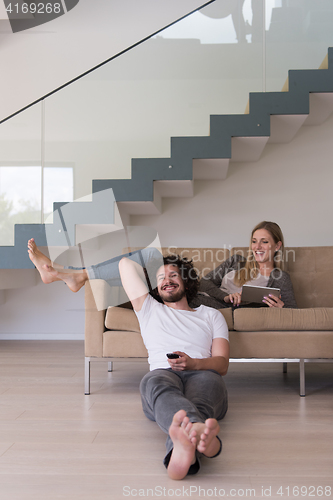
(119, 318)
(268, 319)
(287, 344)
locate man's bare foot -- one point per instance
(42, 263)
(208, 444)
(73, 279)
(184, 439)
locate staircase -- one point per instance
(272, 117)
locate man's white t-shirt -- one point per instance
(165, 329)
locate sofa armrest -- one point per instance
(95, 297)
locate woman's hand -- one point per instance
(184, 362)
(234, 298)
(273, 301)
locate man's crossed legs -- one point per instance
(186, 405)
(76, 277)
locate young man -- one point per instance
(185, 395)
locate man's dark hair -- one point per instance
(188, 274)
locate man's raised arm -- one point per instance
(134, 282)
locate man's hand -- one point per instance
(218, 361)
(184, 362)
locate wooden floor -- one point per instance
(56, 443)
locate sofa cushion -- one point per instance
(285, 344)
(265, 319)
(120, 344)
(227, 313)
(118, 318)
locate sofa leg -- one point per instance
(87, 376)
(110, 366)
(301, 377)
(285, 367)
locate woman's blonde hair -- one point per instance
(251, 269)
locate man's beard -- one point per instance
(173, 297)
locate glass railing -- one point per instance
(20, 172)
(169, 85)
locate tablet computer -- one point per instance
(257, 293)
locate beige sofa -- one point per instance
(284, 335)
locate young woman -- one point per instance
(263, 266)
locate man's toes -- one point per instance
(187, 427)
(211, 423)
(179, 417)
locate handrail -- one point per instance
(103, 63)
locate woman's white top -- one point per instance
(228, 286)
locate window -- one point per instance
(21, 195)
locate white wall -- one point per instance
(42, 312)
(291, 184)
(36, 61)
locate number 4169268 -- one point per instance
(34, 8)
(305, 491)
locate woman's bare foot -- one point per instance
(208, 444)
(184, 439)
(73, 279)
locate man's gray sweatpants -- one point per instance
(201, 393)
